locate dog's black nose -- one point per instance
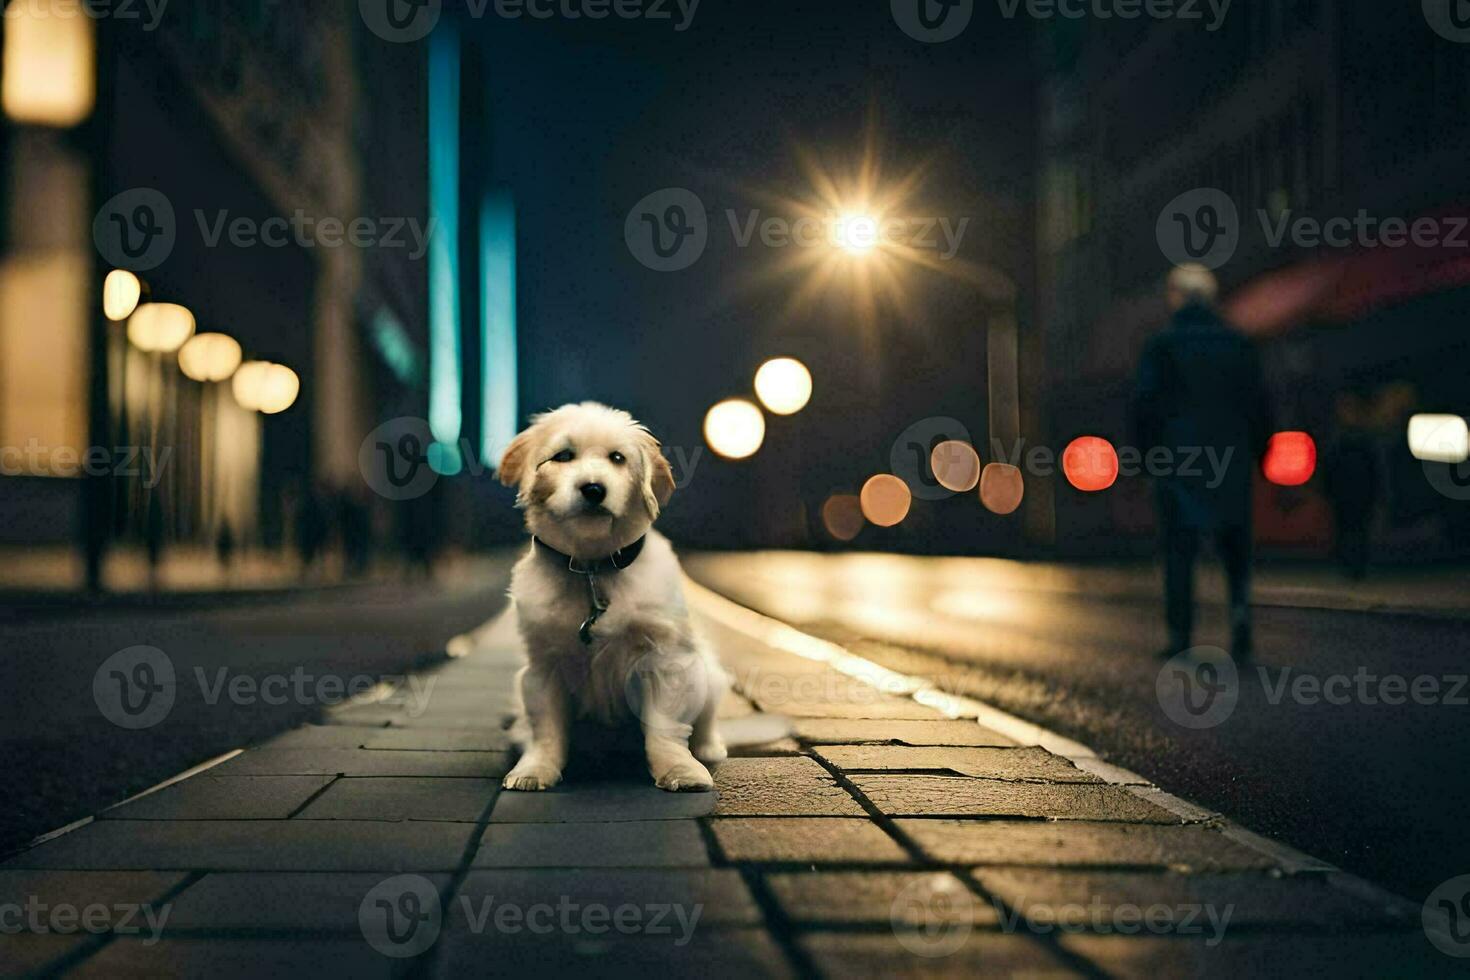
(593, 493)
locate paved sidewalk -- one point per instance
(900, 832)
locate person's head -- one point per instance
(1191, 284)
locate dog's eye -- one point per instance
(618, 459)
(565, 456)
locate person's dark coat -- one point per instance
(1200, 390)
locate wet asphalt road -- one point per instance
(245, 669)
(1378, 788)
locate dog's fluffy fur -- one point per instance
(645, 664)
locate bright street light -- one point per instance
(209, 357)
(160, 327)
(856, 233)
(121, 291)
(735, 428)
(783, 385)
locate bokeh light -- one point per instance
(209, 357)
(783, 385)
(1439, 438)
(50, 62)
(121, 291)
(735, 428)
(265, 387)
(885, 500)
(1002, 488)
(1291, 459)
(956, 465)
(842, 516)
(160, 327)
(1090, 464)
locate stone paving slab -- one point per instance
(319, 902)
(837, 731)
(438, 740)
(1081, 844)
(225, 959)
(877, 898)
(252, 845)
(27, 954)
(403, 798)
(1240, 900)
(910, 796)
(809, 840)
(320, 737)
(720, 895)
(975, 954)
(208, 797)
(714, 953)
(601, 803)
(781, 787)
(1285, 956)
(82, 888)
(1032, 764)
(894, 709)
(363, 762)
(632, 844)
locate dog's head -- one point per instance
(590, 478)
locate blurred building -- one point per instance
(1297, 108)
(238, 114)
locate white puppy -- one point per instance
(600, 602)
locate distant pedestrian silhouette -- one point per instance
(1199, 390)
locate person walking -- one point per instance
(1200, 394)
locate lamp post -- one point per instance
(210, 359)
(158, 329)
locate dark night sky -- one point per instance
(589, 118)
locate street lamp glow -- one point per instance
(856, 233)
(261, 386)
(160, 327)
(209, 357)
(735, 428)
(783, 385)
(282, 385)
(121, 291)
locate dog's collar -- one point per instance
(615, 562)
(589, 570)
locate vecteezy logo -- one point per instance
(1449, 18)
(136, 230)
(1446, 916)
(911, 459)
(135, 688)
(394, 459)
(667, 230)
(933, 916)
(1199, 687)
(1201, 226)
(400, 20)
(401, 916)
(933, 21)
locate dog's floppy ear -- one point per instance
(658, 477)
(513, 463)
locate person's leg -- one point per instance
(1234, 542)
(1180, 545)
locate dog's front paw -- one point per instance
(686, 777)
(532, 778)
(711, 752)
